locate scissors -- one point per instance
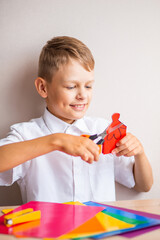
(106, 132)
(96, 137)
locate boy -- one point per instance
(48, 157)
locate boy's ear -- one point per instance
(41, 86)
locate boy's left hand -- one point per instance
(128, 146)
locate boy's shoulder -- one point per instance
(30, 129)
(96, 124)
(31, 123)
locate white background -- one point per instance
(124, 37)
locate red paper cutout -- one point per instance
(115, 132)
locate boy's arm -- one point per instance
(142, 173)
(131, 146)
(17, 153)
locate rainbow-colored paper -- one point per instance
(76, 220)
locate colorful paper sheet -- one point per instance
(111, 221)
(140, 231)
(138, 220)
(115, 131)
(142, 222)
(56, 219)
(98, 224)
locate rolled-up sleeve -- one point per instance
(7, 178)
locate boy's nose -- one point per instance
(81, 94)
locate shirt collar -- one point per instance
(56, 125)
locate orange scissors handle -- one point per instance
(84, 135)
(90, 137)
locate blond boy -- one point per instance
(47, 156)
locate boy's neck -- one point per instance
(68, 122)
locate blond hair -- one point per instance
(58, 51)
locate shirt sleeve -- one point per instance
(7, 178)
(123, 167)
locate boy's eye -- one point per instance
(70, 87)
(88, 86)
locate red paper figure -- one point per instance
(115, 131)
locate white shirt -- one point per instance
(58, 177)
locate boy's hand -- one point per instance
(142, 171)
(77, 146)
(128, 146)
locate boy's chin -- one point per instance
(78, 116)
(71, 120)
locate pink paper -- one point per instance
(56, 219)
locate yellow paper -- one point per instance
(74, 203)
(111, 223)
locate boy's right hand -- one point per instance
(76, 146)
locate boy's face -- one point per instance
(70, 92)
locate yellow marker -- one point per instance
(22, 216)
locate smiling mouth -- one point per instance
(78, 107)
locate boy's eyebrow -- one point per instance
(89, 81)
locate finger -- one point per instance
(89, 143)
(90, 150)
(95, 153)
(132, 153)
(125, 145)
(93, 148)
(127, 150)
(125, 139)
(87, 156)
(84, 156)
(133, 150)
(137, 150)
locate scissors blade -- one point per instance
(114, 128)
(104, 133)
(108, 130)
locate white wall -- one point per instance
(124, 37)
